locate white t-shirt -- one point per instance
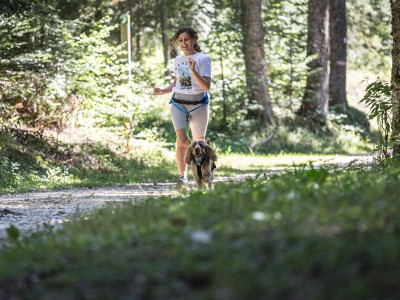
(184, 82)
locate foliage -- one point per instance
(285, 48)
(82, 71)
(328, 232)
(369, 36)
(10, 7)
(61, 65)
(350, 119)
(286, 22)
(336, 139)
(230, 105)
(106, 93)
(348, 133)
(33, 85)
(31, 162)
(378, 99)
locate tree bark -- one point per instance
(338, 55)
(254, 56)
(395, 7)
(314, 107)
(165, 40)
(137, 29)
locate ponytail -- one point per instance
(197, 47)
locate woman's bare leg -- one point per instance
(182, 143)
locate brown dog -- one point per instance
(201, 157)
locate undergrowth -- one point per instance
(347, 132)
(307, 234)
(34, 161)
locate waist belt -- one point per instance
(203, 100)
(175, 103)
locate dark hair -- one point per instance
(191, 32)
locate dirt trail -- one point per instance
(30, 211)
(35, 210)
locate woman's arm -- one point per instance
(203, 82)
(157, 91)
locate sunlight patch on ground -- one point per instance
(242, 162)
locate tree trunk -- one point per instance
(165, 40)
(314, 107)
(395, 6)
(338, 48)
(137, 30)
(254, 55)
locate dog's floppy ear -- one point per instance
(210, 153)
(189, 154)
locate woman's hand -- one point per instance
(192, 65)
(203, 82)
(157, 91)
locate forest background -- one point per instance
(62, 67)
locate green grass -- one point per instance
(42, 163)
(307, 234)
(249, 162)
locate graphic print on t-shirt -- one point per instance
(185, 79)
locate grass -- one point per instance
(43, 162)
(240, 162)
(306, 234)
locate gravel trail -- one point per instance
(35, 210)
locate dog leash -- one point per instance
(175, 102)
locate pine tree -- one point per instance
(254, 55)
(314, 107)
(338, 52)
(395, 7)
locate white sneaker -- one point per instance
(181, 182)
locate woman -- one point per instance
(191, 83)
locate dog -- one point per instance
(201, 158)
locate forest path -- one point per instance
(35, 210)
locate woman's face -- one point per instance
(186, 43)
